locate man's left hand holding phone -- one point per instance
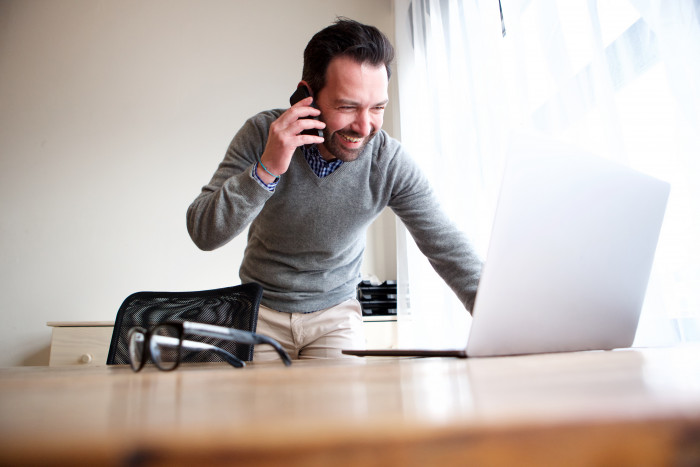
(288, 133)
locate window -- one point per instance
(616, 77)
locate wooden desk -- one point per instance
(628, 407)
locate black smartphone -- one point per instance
(302, 92)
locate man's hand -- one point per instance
(285, 136)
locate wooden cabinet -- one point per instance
(381, 332)
(86, 343)
(80, 343)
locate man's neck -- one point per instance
(327, 156)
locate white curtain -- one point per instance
(620, 78)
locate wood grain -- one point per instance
(628, 407)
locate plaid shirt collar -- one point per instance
(318, 164)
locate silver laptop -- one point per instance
(569, 259)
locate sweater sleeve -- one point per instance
(233, 197)
(447, 248)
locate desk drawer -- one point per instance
(80, 345)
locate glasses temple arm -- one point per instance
(199, 347)
(238, 335)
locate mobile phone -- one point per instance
(302, 92)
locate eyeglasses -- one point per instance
(164, 344)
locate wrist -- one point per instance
(268, 186)
(265, 174)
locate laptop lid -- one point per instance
(570, 254)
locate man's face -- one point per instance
(352, 106)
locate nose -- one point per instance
(363, 122)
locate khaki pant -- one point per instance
(320, 334)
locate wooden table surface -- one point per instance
(626, 407)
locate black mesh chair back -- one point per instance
(233, 307)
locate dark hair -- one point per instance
(345, 37)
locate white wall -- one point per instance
(113, 114)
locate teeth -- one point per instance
(350, 139)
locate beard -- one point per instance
(332, 142)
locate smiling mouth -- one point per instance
(350, 139)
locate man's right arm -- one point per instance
(260, 152)
(233, 197)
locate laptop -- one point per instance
(569, 259)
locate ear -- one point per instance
(304, 83)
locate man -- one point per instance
(308, 200)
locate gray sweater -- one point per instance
(306, 239)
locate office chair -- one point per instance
(233, 307)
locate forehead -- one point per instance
(348, 79)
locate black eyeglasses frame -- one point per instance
(202, 329)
